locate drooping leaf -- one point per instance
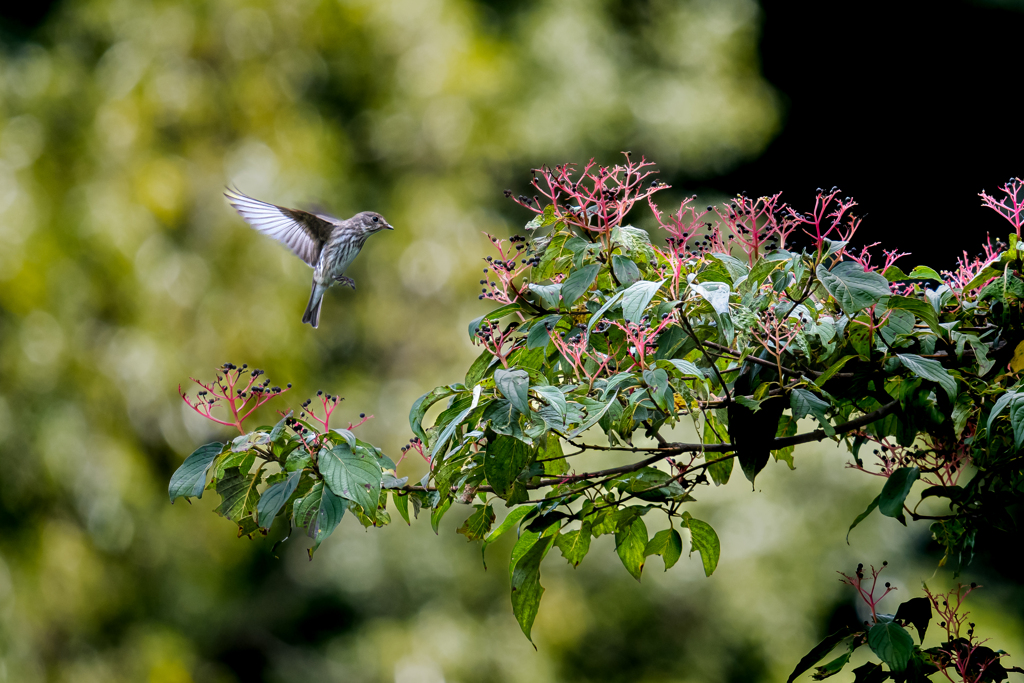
(274, 498)
(636, 298)
(401, 501)
(921, 309)
(575, 544)
(832, 370)
(449, 431)
(552, 455)
(931, 370)
(852, 287)
(515, 386)
(818, 652)
(578, 282)
(478, 524)
(862, 516)
(704, 540)
(318, 512)
(630, 544)
(526, 588)
(505, 458)
(895, 491)
(353, 476)
(511, 521)
(438, 513)
(891, 643)
(667, 543)
(189, 480)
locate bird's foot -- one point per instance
(342, 280)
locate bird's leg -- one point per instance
(342, 280)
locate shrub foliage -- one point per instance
(751, 320)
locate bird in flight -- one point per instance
(326, 243)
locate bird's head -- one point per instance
(372, 222)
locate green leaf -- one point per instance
(891, 643)
(635, 241)
(554, 397)
(274, 498)
(511, 520)
(578, 282)
(832, 370)
(921, 309)
(667, 543)
(278, 429)
(601, 311)
(552, 252)
(505, 458)
(916, 611)
(420, 407)
(835, 666)
(437, 513)
(575, 544)
(318, 512)
(190, 479)
(515, 386)
(626, 272)
(686, 368)
(453, 424)
(526, 588)
(630, 544)
(401, 502)
(818, 652)
(238, 493)
(721, 471)
(550, 451)
(478, 523)
(352, 476)
(298, 459)
(661, 392)
(636, 298)
(496, 314)
(895, 491)
(852, 287)
(862, 516)
(593, 416)
(704, 540)
(931, 370)
(540, 331)
(925, 273)
(478, 370)
(543, 219)
(548, 295)
(804, 403)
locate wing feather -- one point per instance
(300, 231)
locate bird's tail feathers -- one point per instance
(316, 300)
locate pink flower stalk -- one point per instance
(825, 222)
(1010, 207)
(227, 391)
(868, 594)
(593, 200)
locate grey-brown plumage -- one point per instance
(326, 243)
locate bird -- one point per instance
(327, 244)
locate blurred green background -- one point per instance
(123, 272)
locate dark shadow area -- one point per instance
(909, 107)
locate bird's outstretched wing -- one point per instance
(302, 232)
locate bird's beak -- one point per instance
(389, 226)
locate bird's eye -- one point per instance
(376, 219)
